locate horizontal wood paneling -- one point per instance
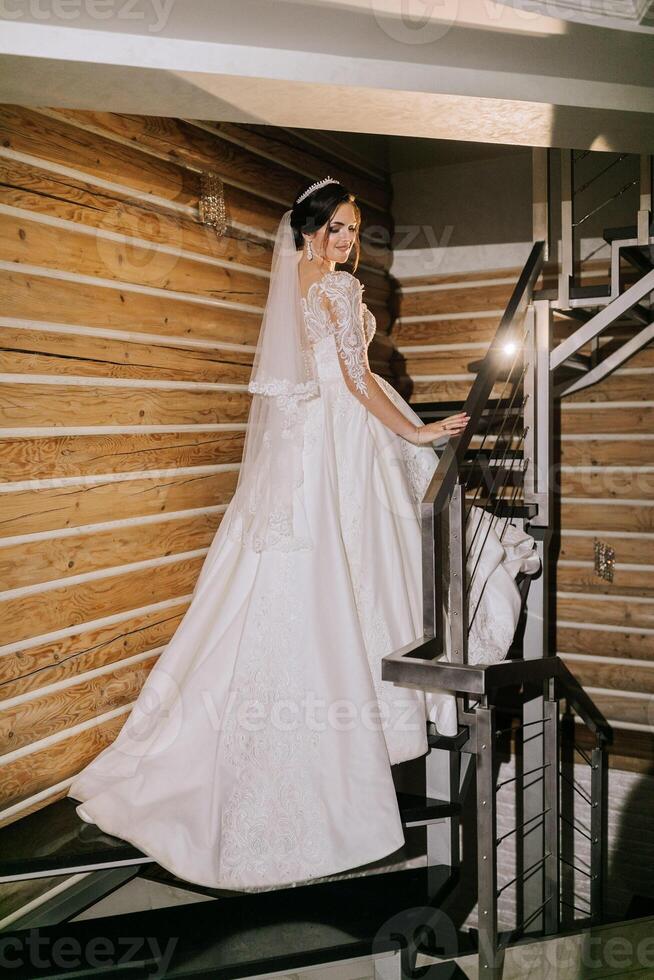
(247, 162)
(24, 777)
(443, 362)
(599, 516)
(463, 330)
(48, 559)
(476, 328)
(78, 254)
(67, 456)
(32, 511)
(462, 299)
(611, 483)
(442, 390)
(57, 608)
(636, 550)
(637, 679)
(81, 648)
(631, 751)
(615, 418)
(62, 404)
(48, 352)
(121, 312)
(608, 451)
(40, 717)
(68, 197)
(626, 581)
(64, 144)
(618, 387)
(299, 154)
(620, 611)
(598, 642)
(39, 299)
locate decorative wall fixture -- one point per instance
(211, 204)
(604, 560)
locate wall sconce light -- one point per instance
(211, 204)
(604, 560)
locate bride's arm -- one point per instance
(371, 394)
(382, 407)
(346, 314)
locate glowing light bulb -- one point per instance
(510, 347)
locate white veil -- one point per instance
(266, 511)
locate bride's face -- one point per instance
(336, 238)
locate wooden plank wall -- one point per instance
(128, 331)
(606, 478)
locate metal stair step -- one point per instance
(590, 291)
(506, 507)
(418, 810)
(490, 454)
(246, 935)
(576, 362)
(489, 474)
(55, 841)
(639, 256)
(625, 232)
(450, 742)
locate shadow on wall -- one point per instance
(630, 887)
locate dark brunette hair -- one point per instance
(318, 208)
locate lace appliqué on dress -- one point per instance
(274, 821)
(256, 497)
(287, 398)
(335, 307)
(369, 323)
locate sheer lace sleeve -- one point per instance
(369, 323)
(344, 297)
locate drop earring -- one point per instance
(309, 250)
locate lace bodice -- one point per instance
(333, 307)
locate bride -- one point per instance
(259, 750)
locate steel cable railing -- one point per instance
(498, 436)
(504, 418)
(503, 472)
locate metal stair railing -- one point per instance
(513, 432)
(625, 308)
(483, 683)
(591, 330)
(445, 511)
(482, 482)
(594, 800)
(625, 171)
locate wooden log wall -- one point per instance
(128, 331)
(606, 478)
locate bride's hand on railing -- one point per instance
(453, 425)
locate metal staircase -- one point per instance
(503, 463)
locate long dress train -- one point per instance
(259, 750)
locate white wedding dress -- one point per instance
(259, 751)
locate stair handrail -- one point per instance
(584, 705)
(446, 475)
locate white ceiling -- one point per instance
(474, 71)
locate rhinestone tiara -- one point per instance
(314, 187)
